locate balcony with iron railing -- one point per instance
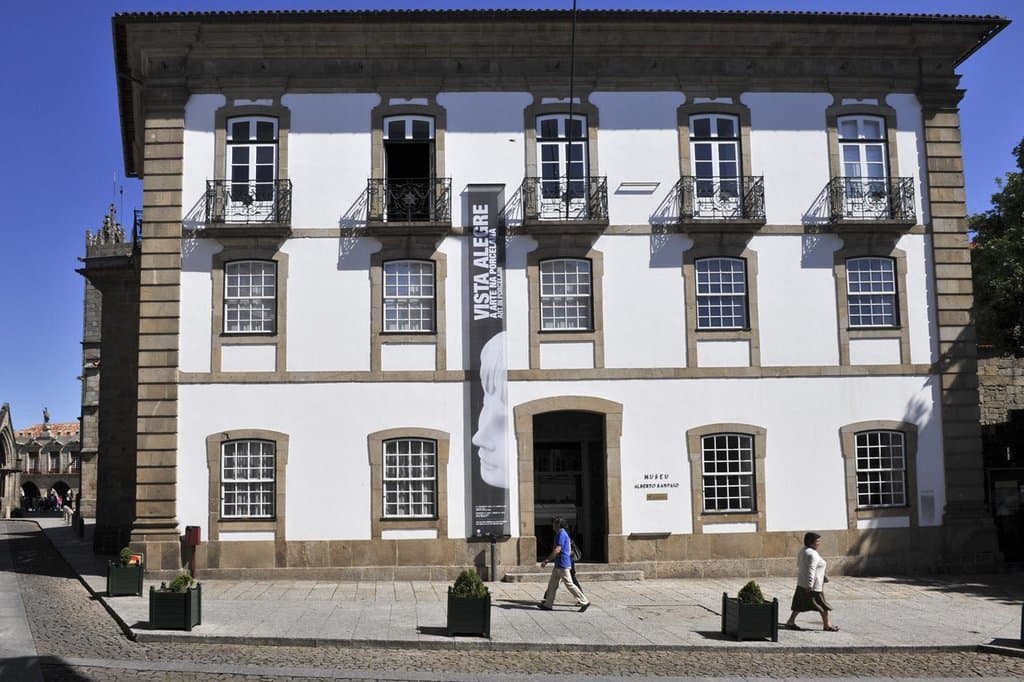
(248, 208)
(416, 205)
(719, 203)
(576, 204)
(872, 203)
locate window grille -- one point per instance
(565, 295)
(871, 292)
(409, 296)
(248, 478)
(721, 293)
(250, 297)
(727, 461)
(410, 478)
(881, 469)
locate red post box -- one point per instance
(192, 536)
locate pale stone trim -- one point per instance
(215, 524)
(729, 246)
(740, 111)
(856, 246)
(581, 108)
(249, 250)
(375, 447)
(524, 414)
(386, 110)
(566, 247)
(407, 249)
(883, 111)
(693, 444)
(229, 111)
(848, 450)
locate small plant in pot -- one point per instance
(124, 576)
(749, 615)
(177, 606)
(469, 606)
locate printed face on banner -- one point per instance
(490, 434)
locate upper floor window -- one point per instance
(871, 292)
(563, 164)
(865, 167)
(248, 471)
(250, 297)
(566, 295)
(252, 160)
(409, 296)
(54, 463)
(715, 161)
(409, 167)
(32, 463)
(727, 465)
(881, 469)
(410, 478)
(721, 293)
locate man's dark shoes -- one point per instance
(544, 608)
(584, 607)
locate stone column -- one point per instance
(155, 530)
(969, 538)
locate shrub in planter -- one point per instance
(124, 576)
(749, 615)
(178, 606)
(469, 606)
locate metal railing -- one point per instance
(248, 202)
(409, 200)
(869, 199)
(582, 199)
(718, 198)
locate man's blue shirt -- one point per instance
(564, 558)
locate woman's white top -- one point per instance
(810, 569)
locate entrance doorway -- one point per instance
(570, 481)
(409, 167)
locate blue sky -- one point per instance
(65, 161)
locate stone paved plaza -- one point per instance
(891, 628)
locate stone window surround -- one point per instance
(407, 249)
(848, 450)
(720, 245)
(229, 111)
(254, 249)
(566, 248)
(702, 518)
(216, 525)
(523, 418)
(387, 110)
(375, 447)
(580, 108)
(740, 111)
(883, 111)
(855, 246)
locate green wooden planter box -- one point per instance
(469, 615)
(123, 580)
(750, 621)
(176, 610)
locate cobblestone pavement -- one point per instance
(78, 640)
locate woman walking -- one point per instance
(810, 579)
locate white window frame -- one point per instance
(717, 186)
(718, 292)
(732, 475)
(258, 296)
(881, 464)
(566, 305)
(409, 296)
(409, 120)
(879, 292)
(864, 163)
(257, 479)
(53, 463)
(560, 173)
(409, 488)
(251, 198)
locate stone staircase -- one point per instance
(587, 573)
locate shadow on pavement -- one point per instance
(432, 630)
(1005, 588)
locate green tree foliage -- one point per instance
(998, 261)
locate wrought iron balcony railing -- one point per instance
(868, 199)
(248, 202)
(565, 199)
(409, 200)
(738, 199)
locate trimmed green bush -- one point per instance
(469, 584)
(751, 594)
(125, 555)
(181, 583)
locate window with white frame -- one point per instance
(250, 297)
(871, 292)
(54, 463)
(563, 164)
(409, 296)
(566, 295)
(881, 469)
(865, 167)
(715, 161)
(727, 466)
(247, 487)
(721, 293)
(252, 165)
(410, 478)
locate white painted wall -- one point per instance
(199, 147)
(723, 354)
(195, 325)
(255, 358)
(910, 148)
(874, 351)
(399, 357)
(567, 355)
(919, 294)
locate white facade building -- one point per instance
(734, 301)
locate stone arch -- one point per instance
(524, 414)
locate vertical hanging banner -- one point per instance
(488, 363)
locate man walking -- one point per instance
(561, 555)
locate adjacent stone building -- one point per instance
(48, 454)
(10, 474)
(410, 282)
